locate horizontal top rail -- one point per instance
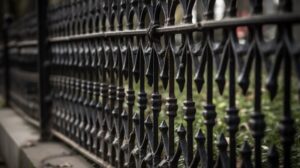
(200, 26)
(24, 43)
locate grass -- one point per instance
(273, 111)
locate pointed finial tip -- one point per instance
(135, 117)
(222, 141)
(222, 137)
(246, 147)
(200, 135)
(124, 114)
(199, 84)
(244, 84)
(163, 124)
(272, 88)
(273, 151)
(180, 81)
(163, 127)
(180, 128)
(181, 131)
(221, 84)
(148, 120)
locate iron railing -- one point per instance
(100, 52)
(22, 50)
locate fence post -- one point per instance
(43, 69)
(7, 21)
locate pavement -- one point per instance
(20, 146)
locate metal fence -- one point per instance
(22, 51)
(109, 63)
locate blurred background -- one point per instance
(16, 8)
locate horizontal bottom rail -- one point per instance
(81, 150)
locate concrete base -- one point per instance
(20, 147)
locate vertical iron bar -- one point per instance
(209, 112)
(257, 118)
(42, 69)
(287, 113)
(171, 103)
(142, 100)
(156, 102)
(233, 119)
(6, 63)
(287, 129)
(189, 108)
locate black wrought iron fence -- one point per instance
(22, 51)
(123, 74)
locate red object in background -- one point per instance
(242, 31)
